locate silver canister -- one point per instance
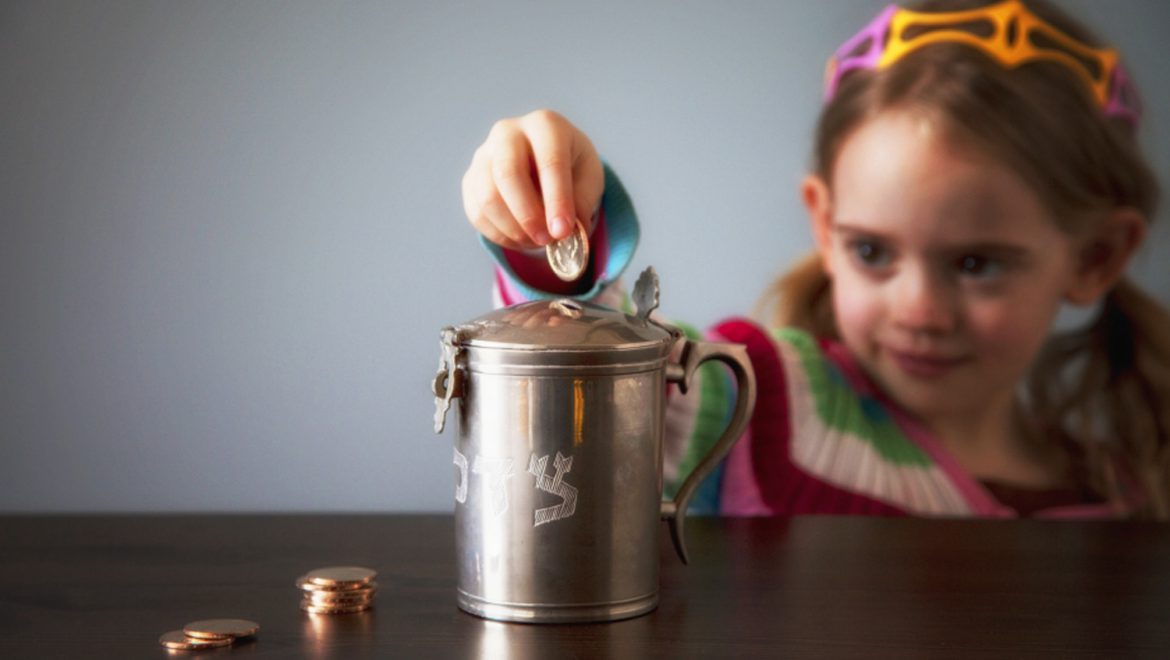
(559, 450)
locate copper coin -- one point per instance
(332, 600)
(334, 594)
(341, 576)
(221, 628)
(569, 256)
(176, 639)
(313, 587)
(326, 609)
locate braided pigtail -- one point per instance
(800, 298)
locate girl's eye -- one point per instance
(980, 267)
(870, 253)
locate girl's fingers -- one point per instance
(551, 137)
(511, 171)
(532, 180)
(494, 214)
(486, 212)
(492, 234)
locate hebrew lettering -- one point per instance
(498, 471)
(461, 487)
(554, 485)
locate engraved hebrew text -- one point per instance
(497, 472)
(554, 485)
(461, 487)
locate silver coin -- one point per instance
(569, 256)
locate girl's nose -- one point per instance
(922, 303)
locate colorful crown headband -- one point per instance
(1017, 36)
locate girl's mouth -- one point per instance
(925, 365)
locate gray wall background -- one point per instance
(230, 232)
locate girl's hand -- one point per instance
(531, 180)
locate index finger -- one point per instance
(553, 156)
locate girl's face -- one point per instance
(947, 270)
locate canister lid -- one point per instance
(564, 324)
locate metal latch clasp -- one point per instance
(449, 380)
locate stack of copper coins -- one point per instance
(338, 590)
(209, 634)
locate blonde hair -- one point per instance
(1103, 391)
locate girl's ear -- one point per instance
(819, 204)
(1104, 253)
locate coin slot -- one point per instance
(568, 307)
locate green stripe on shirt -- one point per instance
(840, 407)
(711, 418)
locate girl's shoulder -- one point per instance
(786, 348)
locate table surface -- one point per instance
(824, 587)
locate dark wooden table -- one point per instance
(108, 586)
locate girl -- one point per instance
(975, 167)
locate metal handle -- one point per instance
(694, 354)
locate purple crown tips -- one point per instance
(846, 59)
